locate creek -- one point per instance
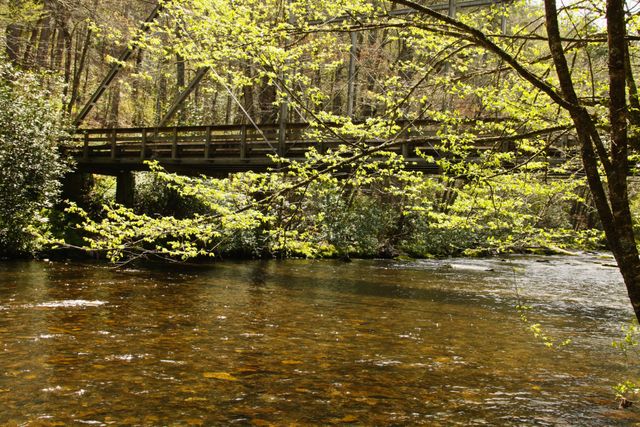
(371, 342)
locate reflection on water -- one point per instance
(310, 342)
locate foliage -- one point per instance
(514, 213)
(634, 196)
(30, 166)
(629, 346)
(537, 331)
(498, 137)
(154, 197)
(377, 209)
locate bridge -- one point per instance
(219, 150)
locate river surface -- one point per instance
(313, 343)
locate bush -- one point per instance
(30, 164)
(366, 216)
(154, 197)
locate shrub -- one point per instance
(30, 164)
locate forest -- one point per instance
(519, 97)
(488, 76)
(362, 66)
(513, 161)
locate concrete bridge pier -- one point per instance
(125, 188)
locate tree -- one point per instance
(601, 149)
(30, 166)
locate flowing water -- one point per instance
(313, 343)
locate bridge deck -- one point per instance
(214, 150)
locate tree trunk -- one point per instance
(68, 56)
(137, 92)
(161, 95)
(113, 112)
(12, 35)
(634, 102)
(613, 210)
(27, 59)
(77, 75)
(43, 43)
(628, 260)
(180, 84)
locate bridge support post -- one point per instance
(125, 188)
(207, 143)
(174, 144)
(243, 142)
(85, 147)
(143, 145)
(76, 187)
(405, 150)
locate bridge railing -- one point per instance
(246, 145)
(237, 142)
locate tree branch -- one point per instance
(483, 40)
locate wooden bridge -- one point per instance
(223, 149)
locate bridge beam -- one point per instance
(182, 96)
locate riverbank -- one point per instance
(75, 254)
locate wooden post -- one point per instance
(243, 142)
(207, 143)
(114, 148)
(174, 144)
(125, 184)
(85, 148)
(405, 145)
(282, 129)
(143, 145)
